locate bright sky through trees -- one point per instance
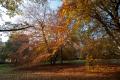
(54, 4)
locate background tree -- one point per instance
(106, 14)
(16, 48)
(10, 5)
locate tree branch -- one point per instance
(9, 30)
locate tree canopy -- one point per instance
(79, 28)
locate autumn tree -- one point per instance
(49, 33)
(94, 25)
(17, 48)
(106, 13)
(38, 14)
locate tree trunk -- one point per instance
(61, 54)
(45, 40)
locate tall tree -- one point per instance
(105, 12)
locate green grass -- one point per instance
(82, 62)
(5, 68)
(75, 61)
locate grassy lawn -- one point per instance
(55, 72)
(5, 68)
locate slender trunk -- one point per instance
(45, 40)
(61, 54)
